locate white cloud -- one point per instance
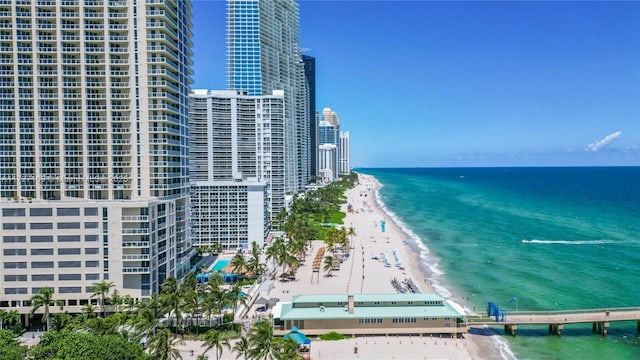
(596, 146)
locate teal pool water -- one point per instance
(220, 264)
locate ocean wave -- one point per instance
(428, 260)
(431, 263)
(570, 242)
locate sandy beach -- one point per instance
(364, 272)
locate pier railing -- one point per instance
(556, 319)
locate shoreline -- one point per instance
(363, 271)
(483, 346)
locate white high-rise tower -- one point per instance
(93, 138)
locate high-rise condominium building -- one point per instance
(329, 133)
(237, 150)
(345, 153)
(328, 155)
(310, 75)
(330, 116)
(263, 54)
(94, 166)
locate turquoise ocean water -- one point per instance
(584, 251)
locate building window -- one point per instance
(41, 226)
(41, 252)
(71, 251)
(68, 238)
(91, 264)
(91, 212)
(67, 277)
(40, 212)
(69, 264)
(42, 264)
(13, 226)
(92, 276)
(69, 225)
(13, 212)
(15, 265)
(90, 225)
(14, 239)
(15, 252)
(10, 278)
(42, 277)
(68, 211)
(41, 238)
(91, 238)
(15, 291)
(69, 289)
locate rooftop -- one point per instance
(288, 310)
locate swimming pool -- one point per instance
(220, 264)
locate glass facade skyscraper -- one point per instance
(263, 55)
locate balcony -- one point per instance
(142, 218)
(135, 270)
(135, 231)
(136, 257)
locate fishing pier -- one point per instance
(600, 319)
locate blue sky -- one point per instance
(426, 83)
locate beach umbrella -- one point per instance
(297, 336)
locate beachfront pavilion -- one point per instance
(370, 314)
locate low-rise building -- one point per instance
(369, 314)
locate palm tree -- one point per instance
(102, 289)
(214, 339)
(242, 348)
(143, 323)
(290, 262)
(275, 251)
(87, 310)
(43, 299)
(328, 265)
(253, 264)
(286, 349)
(351, 233)
(8, 318)
(261, 340)
(170, 299)
(162, 345)
(191, 304)
(238, 263)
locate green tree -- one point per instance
(9, 318)
(238, 263)
(88, 310)
(143, 323)
(43, 299)
(69, 344)
(328, 265)
(285, 349)
(101, 289)
(214, 339)
(242, 348)
(171, 300)
(10, 347)
(163, 345)
(261, 340)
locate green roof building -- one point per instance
(369, 314)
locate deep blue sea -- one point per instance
(583, 227)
